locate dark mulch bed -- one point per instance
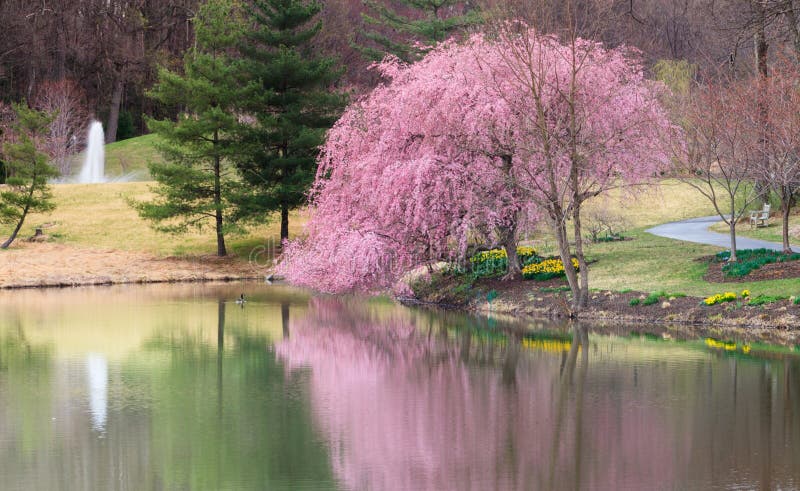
(547, 299)
(774, 271)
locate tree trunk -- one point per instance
(8, 242)
(791, 19)
(113, 112)
(583, 299)
(509, 239)
(25, 210)
(761, 51)
(284, 222)
(733, 258)
(760, 38)
(60, 68)
(221, 251)
(564, 253)
(786, 208)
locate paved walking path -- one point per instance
(696, 230)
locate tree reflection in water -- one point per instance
(407, 405)
(363, 394)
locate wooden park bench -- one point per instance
(760, 218)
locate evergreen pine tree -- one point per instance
(28, 170)
(435, 21)
(197, 184)
(291, 102)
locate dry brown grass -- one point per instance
(98, 216)
(33, 265)
(97, 238)
(668, 201)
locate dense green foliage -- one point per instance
(765, 299)
(752, 259)
(28, 171)
(125, 128)
(292, 102)
(429, 26)
(197, 185)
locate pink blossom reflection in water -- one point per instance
(402, 408)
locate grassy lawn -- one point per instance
(649, 263)
(98, 215)
(772, 232)
(132, 155)
(671, 200)
(125, 157)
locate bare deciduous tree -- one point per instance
(779, 165)
(717, 151)
(66, 102)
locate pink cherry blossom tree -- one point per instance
(585, 121)
(475, 139)
(409, 175)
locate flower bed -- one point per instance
(720, 298)
(495, 261)
(752, 259)
(545, 269)
(534, 267)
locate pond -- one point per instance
(178, 387)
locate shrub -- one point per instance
(604, 225)
(634, 302)
(653, 298)
(765, 299)
(609, 238)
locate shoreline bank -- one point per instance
(52, 265)
(777, 321)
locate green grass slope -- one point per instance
(127, 157)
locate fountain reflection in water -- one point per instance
(97, 370)
(93, 170)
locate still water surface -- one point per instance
(177, 387)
